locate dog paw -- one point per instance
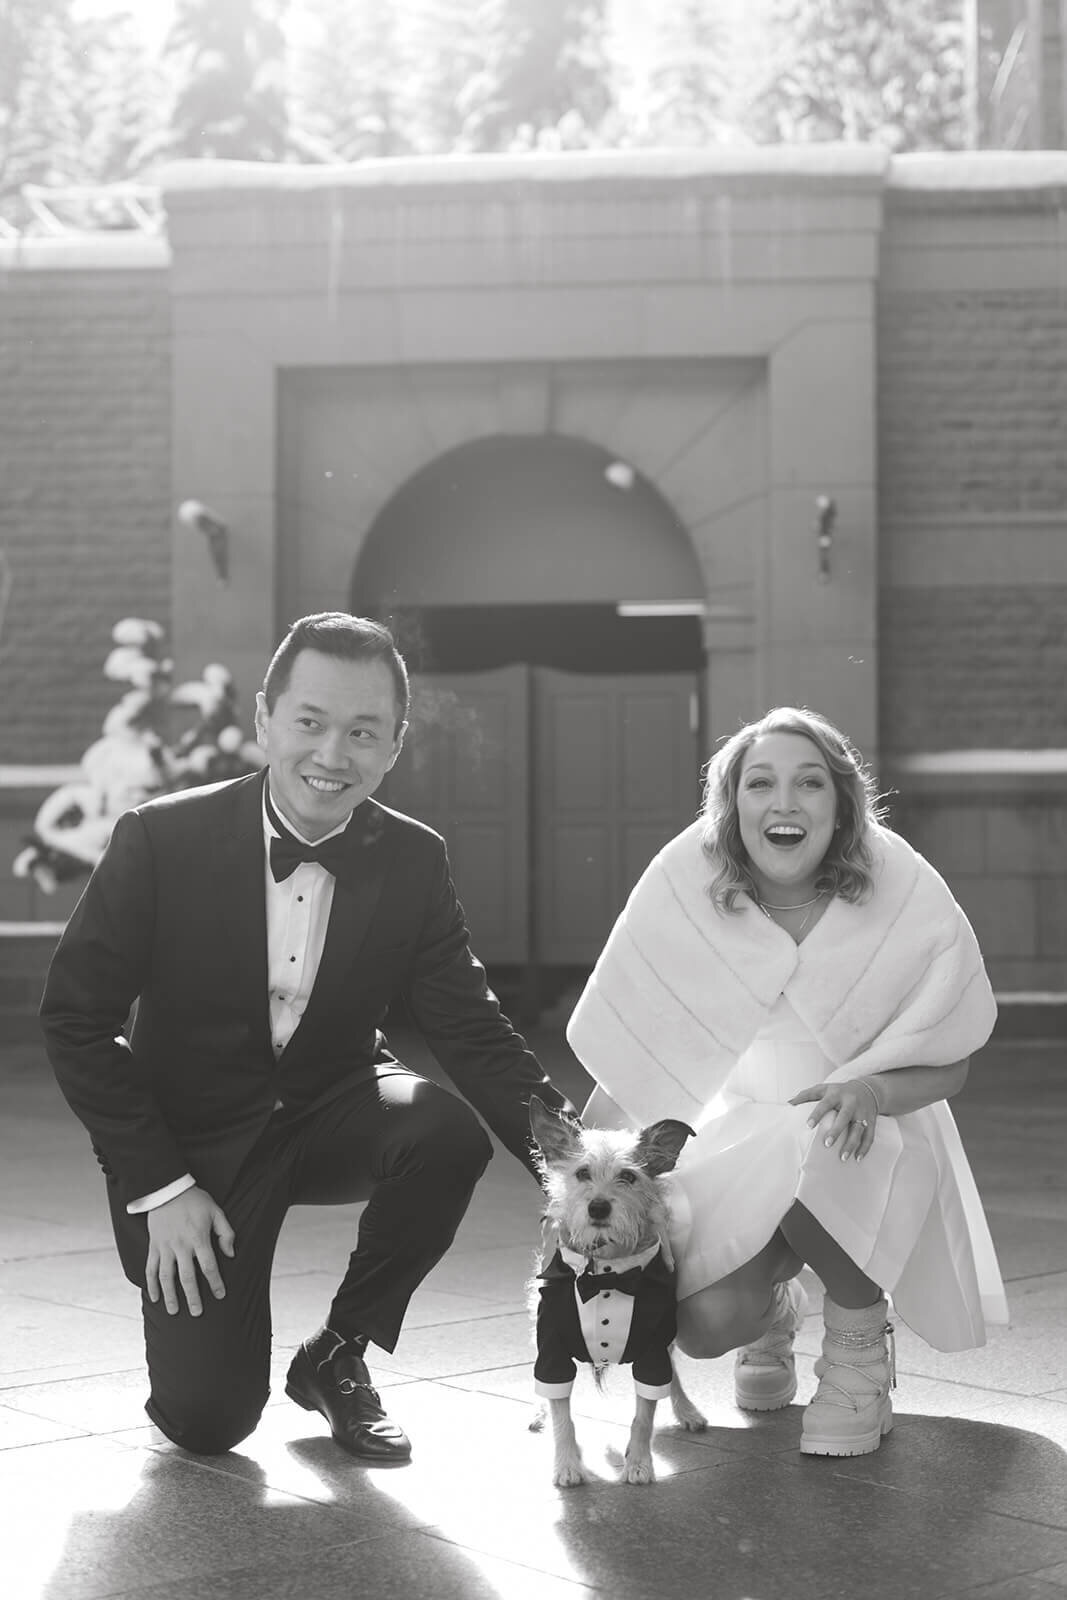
(568, 1475)
(639, 1470)
(689, 1418)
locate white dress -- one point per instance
(755, 1154)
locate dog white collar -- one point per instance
(579, 1263)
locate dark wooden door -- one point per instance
(553, 791)
(464, 770)
(616, 776)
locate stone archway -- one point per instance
(540, 518)
(352, 442)
(555, 735)
(537, 549)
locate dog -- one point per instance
(607, 1295)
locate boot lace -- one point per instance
(856, 1340)
(775, 1347)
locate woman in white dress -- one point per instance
(801, 985)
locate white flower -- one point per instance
(130, 706)
(199, 760)
(231, 739)
(23, 861)
(136, 631)
(218, 676)
(123, 661)
(193, 693)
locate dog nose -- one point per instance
(599, 1210)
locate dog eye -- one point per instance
(627, 1177)
(583, 1174)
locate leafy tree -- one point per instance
(353, 77)
(228, 57)
(39, 132)
(122, 102)
(688, 86)
(545, 78)
(446, 51)
(879, 71)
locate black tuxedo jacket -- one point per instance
(174, 918)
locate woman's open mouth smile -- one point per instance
(785, 835)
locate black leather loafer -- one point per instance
(330, 1376)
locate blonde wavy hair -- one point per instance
(846, 866)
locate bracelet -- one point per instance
(867, 1084)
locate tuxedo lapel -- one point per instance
(241, 862)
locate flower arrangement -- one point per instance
(136, 757)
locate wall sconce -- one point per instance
(825, 516)
(194, 514)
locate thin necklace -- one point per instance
(798, 907)
(767, 908)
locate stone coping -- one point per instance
(976, 775)
(118, 250)
(776, 164)
(984, 172)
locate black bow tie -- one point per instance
(287, 851)
(594, 1283)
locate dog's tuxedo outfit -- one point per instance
(619, 1313)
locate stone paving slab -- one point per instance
(967, 1497)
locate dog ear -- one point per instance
(660, 1144)
(555, 1135)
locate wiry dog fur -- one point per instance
(607, 1201)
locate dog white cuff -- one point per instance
(558, 1391)
(652, 1391)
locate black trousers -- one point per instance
(413, 1151)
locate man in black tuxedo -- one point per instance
(260, 929)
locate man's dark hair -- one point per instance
(348, 638)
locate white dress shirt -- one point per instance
(298, 912)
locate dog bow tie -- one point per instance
(594, 1283)
(287, 852)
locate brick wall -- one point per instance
(972, 397)
(84, 492)
(973, 667)
(972, 401)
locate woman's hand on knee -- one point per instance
(852, 1110)
(180, 1237)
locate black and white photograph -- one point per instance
(533, 799)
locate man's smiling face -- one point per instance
(330, 739)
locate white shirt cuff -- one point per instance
(149, 1202)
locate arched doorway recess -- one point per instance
(547, 598)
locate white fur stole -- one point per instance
(681, 989)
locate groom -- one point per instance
(259, 930)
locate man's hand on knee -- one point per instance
(180, 1240)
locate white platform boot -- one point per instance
(850, 1411)
(765, 1373)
